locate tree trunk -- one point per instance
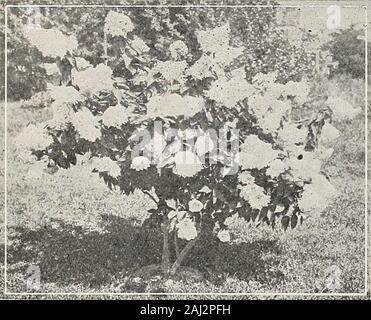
(165, 263)
(182, 255)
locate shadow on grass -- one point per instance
(70, 255)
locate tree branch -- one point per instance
(165, 263)
(182, 255)
(176, 244)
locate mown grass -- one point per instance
(85, 238)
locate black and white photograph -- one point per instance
(184, 150)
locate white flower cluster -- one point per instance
(182, 223)
(86, 125)
(270, 103)
(106, 164)
(139, 45)
(173, 105)
(195, 205)
(118, 24)
(93, 80)
(328, 134)
(217, 53)
(115, 116)
(342, 109)
(81, 63)
(204, 144)
(187, 164)
(228, 92)
(51, 69)
(64, 95)
(290, 135)
(216, 43)
(186, 229)
(251, 192)
(51, 42)
(277, 167)
(224, 235)
(299, 90)
(303, 165)
(140, 163)
(33, 137)
(268, 112)
(266, 83)
(170, 70)
(204, 67)
(317, 195)
(256, 153)
(178, 50)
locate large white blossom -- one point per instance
(195, 205)
(93, 80)
(64, 95)
(155, 148)
(224, 235)
(106, 164)
(256, 153)
(204, 144)
(323, 153)
(140, 163)
(299, 90)
(115, 116)
(217, 53)
(82, 63)
(262, 104)
(328, 134)
(228, 92)
(187, 229)
(268, 112)
(270, 122)
(204, 67)
(187, 164)
(62, 115)
(51, 69)
(276, 167)
(263, 81)
(86, 125)
(178, 49)
(342, 109)
(254, 195)
(274, 91)
(259, 105)
(33, 137)
(174, 105)
(303, 165)
(245, 177)
(291, 135)
(139, 45)
(118, 24)
(317, 195)
(51, 42)
(170, 70)
(216, 42)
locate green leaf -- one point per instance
(285, 222)
(294, 221)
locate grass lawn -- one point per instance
(85, 238)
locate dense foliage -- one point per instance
(348, 49)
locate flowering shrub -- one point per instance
(196, 133)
